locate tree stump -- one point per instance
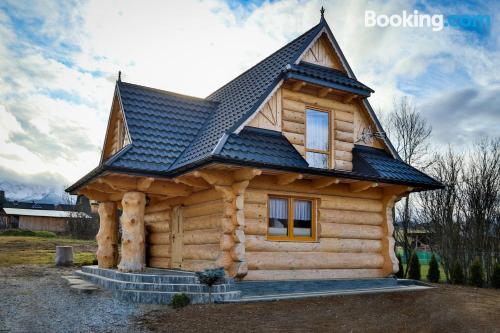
(64, 255)
(107, 237)
(133, 255)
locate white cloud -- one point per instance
(55, 99)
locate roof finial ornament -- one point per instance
(119, 76)
(322, 11)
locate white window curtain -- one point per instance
(317, 130)
(278, 208)
(302, 210)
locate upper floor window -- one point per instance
(317, 138)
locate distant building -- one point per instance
(37, 217)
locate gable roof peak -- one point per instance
(322, 11)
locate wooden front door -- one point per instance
(177, 237)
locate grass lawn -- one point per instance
(424, 268)
(19, 250)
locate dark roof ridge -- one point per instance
(269, 56)
(166, 92)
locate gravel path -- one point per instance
(37, 299)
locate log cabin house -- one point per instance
(282, 173)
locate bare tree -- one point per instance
(481, 203)
(410, 132)
(463, 219)
(439, 210)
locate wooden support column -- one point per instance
(133, 256)
(107, 237)
(391, 196)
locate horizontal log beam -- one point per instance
(362, 186)
(324, 182)
(288, 178)
(313, 274)
(313, 260)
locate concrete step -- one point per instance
(157, 286)
(148, 276)
(277, 297)
(162, 297)
(113, 284)
(256, 288)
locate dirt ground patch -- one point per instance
(16, 250)
(37, 299)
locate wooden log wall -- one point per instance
(352, 232)
(341, 118)
(157, 220)
(202, 229)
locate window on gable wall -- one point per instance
(317, 138)
(291, 219)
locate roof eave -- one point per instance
(324, 83)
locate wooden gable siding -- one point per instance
(269, 117)
(321, 53)
(117, 136)
(353, 234)
(286, 109)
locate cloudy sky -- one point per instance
(59, 61)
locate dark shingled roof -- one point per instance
(378, 164)
(171, 133)
(242, 96)
(326, 77)
(263, 146)
(161, 125)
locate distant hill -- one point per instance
(26, 192)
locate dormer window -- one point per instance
(317, 143)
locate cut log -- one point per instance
(204, 208)
(344, 126)
(159, 262)
(293, 127)
(203, 222)
(291, 105)
(260, 244)
(294, 138)
(343, 165)
(350, 217)
(344, 136)
(158, 227)
(255, 227)
(313, 260)
(158, 206)
(159, 238)
(197, 265)
(343, 146)
(343, 155)
(201, 252)
(313, 274)
(357, 204)
(295, 116)
(344, 116)
(133, 254)
(160, 251)
(351, 231)
(255, 211)
(160, 216)
(64, 255)
(107, 237)
(255, 197)
(207, 236)
(315, 101)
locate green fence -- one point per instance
(423, 256)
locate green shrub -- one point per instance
(180, 300)
(414, 267)
(476, 273)
(495, 277)
(27, 233)
(401, 272)
(457, 274)
(210, 277)
(433, 273)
